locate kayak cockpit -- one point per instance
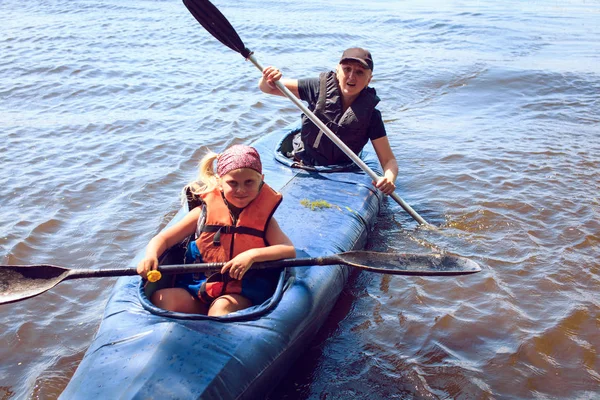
(283, 154)
(175, 255)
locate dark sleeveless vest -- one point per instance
(351, 127)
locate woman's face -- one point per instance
(241, 186)
(352, 77)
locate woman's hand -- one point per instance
(238, 266)
(388, 163)
(386, 185)
(270, 76)
(146, 265)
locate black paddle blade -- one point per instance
(410, 264)
(18, 282)
(217, 25)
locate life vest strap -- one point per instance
(229, 229)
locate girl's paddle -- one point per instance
(217, 25)
(18, 282)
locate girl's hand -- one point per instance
(385, 185)
(146, 265)
(238, 266)
(271, 75)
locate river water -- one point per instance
(492, 111)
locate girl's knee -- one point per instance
(227, 304)
(160, 298)
(177, 300)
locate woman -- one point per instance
(346, 104)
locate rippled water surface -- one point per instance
(492, 110)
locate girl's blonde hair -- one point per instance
(207, 178)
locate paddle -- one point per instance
(217, 25)
(18, 282)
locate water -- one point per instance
(492, 111)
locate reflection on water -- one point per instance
(491, 108)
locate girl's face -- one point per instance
(352, 77)
(241, 186)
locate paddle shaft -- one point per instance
(356, 159)
(188, 268)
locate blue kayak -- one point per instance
(143, 352)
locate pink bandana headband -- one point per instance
(236, 157)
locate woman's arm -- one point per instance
(271, 75)
(388, 164)
(280, 247)
(166, 239)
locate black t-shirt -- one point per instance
(308, 89)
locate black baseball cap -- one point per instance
(358, 54)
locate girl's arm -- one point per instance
(272, 75)
(166, 239)
(281, 247)
(388, 164)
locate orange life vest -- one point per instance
(222, 238)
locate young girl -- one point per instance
(234, 224)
